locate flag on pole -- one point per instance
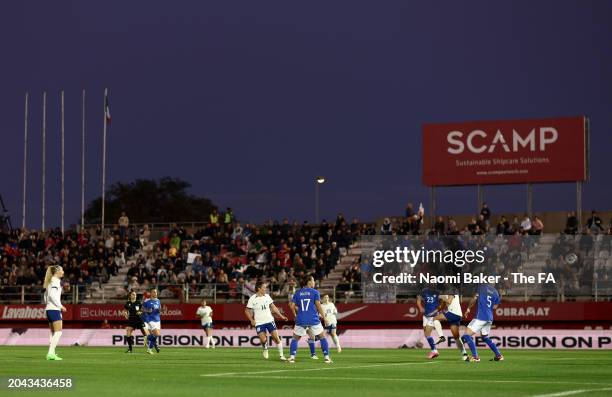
(107, 109)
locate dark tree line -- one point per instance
(149, 200)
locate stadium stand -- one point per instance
(223, 260)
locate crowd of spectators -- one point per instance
(225, 257)
(86, 256)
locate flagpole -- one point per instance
(25, 164)
(83, 159)
(44, 164)
(62, 159)
(104, 160)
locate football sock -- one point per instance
(130, 341)
(279, 346)
(311, 346)
(54, 341)
(491, 345)
(438, 328)
(460, 345)
(324, 346)
(336, 340)
(470, 342)
(431, 342)
(293, 347)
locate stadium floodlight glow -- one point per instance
(320, 180)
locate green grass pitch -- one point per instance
(355, 372)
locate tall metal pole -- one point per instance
(530, 199)
(479, 198)
(317, 202)
(83, 159)
(44, 160)
(25, 164)
(579, 203)
(104, 160)
(62, 160)
(433, 205)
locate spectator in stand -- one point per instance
(145, 235)
(439, 226)
(526, 224)
(214, 221)
(571, 225)
(409, 211)
(482, 223)
(503, 226)
(516, 226)
(594, 223)
(452, 227)
(123, 222)
(485, 212)
(471, 227)
(537, 226)
(228, 217)
(386, 228)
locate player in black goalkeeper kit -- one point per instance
(133, 313)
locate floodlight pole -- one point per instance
(432, 205)
(530, 199)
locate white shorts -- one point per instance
(303, 331)
(484, 327)
(428, 321)
(153, 325)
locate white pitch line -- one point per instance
(336, 378)
(572, 392)
(329, 368)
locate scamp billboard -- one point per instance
(505, 151)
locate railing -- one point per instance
(26, 294)
(222, 293)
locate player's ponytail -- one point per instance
(48, 275)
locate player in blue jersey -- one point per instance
(428, 302)
(306, 307)
(151, 317)
(488, 299)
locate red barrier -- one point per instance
(348, 313)
(497, 152)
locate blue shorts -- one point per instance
(270, 327)
(330, 328)
(452, 318)
(207, 326)
(54, 315)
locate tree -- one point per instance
(149, 200)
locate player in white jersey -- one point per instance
(54, 307)
(331, 321)
(453, 315)
(259, 311)
(205, 314)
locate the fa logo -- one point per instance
(546, 278)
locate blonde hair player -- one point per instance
(331, 321)
(205, 313)
(54, 308)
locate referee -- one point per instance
(133, 313)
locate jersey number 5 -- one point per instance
(489, 301)
(305, 303)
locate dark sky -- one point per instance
(250, 100)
